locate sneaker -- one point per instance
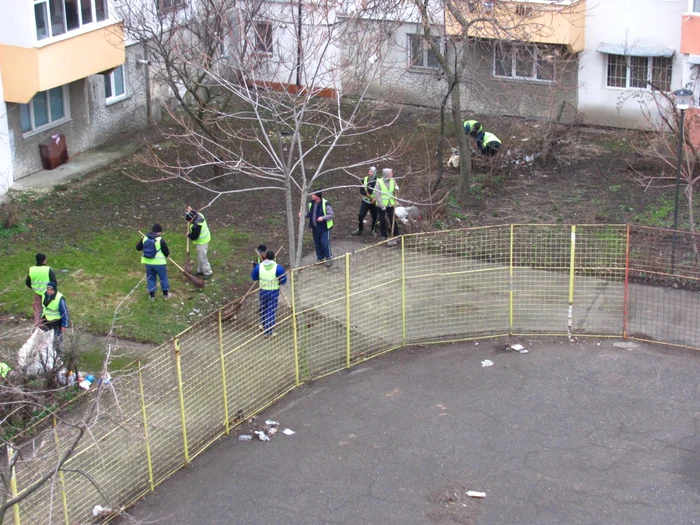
(271, 334)
(151, 298)
(328, 262)
(261, 327)
(207, 275)
(391, 243)
(357, 232)
(166, 297)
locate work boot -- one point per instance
(329, 262)
(207, 275)
(357, 232)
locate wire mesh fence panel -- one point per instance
(162, 402)
(456, 284)
(202, 387)
(541, 264)
(438, 286)
(599, 280)
(371, 276)
(258, 370)
(664, 280)
(321, 313)
(38, 455)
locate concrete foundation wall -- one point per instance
(485, 94)
(5, 148)
(91, 123)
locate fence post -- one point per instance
(64, 500)
(223, 373)
(626, 303)
(403, 293)
(145, 431)
(347, 310)
(176, 344)
(510, 285)
(13, 486)
(295, 331)
(572, 273)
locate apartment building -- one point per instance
(65, 68)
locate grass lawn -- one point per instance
(97, 264)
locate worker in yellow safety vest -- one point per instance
(200, 236)
(271, 276)
(37, 279)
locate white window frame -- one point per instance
(110, 81)
(82, 26)
(628, 72)
(535, 52)
(51, 123)
(426, 52)
(262, 47)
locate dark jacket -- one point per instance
(163, 246)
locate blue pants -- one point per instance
(268, 309)
(322, 242)
(153, 271)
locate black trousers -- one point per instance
(387, 216)
(489, 149)
(364, 208)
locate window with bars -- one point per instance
(45, 110)
(420, 53)
(165, 6)
(525, 61)
(639, 72)
(263, 37)
(56, 17)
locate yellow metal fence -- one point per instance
(155, 417)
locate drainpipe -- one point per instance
(147, 82)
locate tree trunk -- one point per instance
(465, 157)
(302, 226)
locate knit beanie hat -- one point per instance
(261, 249)
(157, 228)
(40, 258)
(189, 215)
(52, 285)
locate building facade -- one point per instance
(65, 69)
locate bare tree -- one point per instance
(659, 164)
(468, 26)
(16, 450)
(269, 110)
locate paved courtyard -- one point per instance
(582, 432)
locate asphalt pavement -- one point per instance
(572, 432)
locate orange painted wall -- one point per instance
(690, 34)
(26, 71)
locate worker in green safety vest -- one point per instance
(385, 194)
(472, 127)
(55, 311)
(200, 235)
(320, 215)
(37, 279)
(488, 143)
(271, 276)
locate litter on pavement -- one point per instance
(519, 348)
(475, 494)
(488, 362)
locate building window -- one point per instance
(263, 37)
(45, 110)
(421, 55)
(55, 17)
(165, 6)
(639, 72)
(696, 6)
(525, 61)
(115, 85)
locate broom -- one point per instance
(199, 283)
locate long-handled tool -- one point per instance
(239, 305)
(199, 283)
